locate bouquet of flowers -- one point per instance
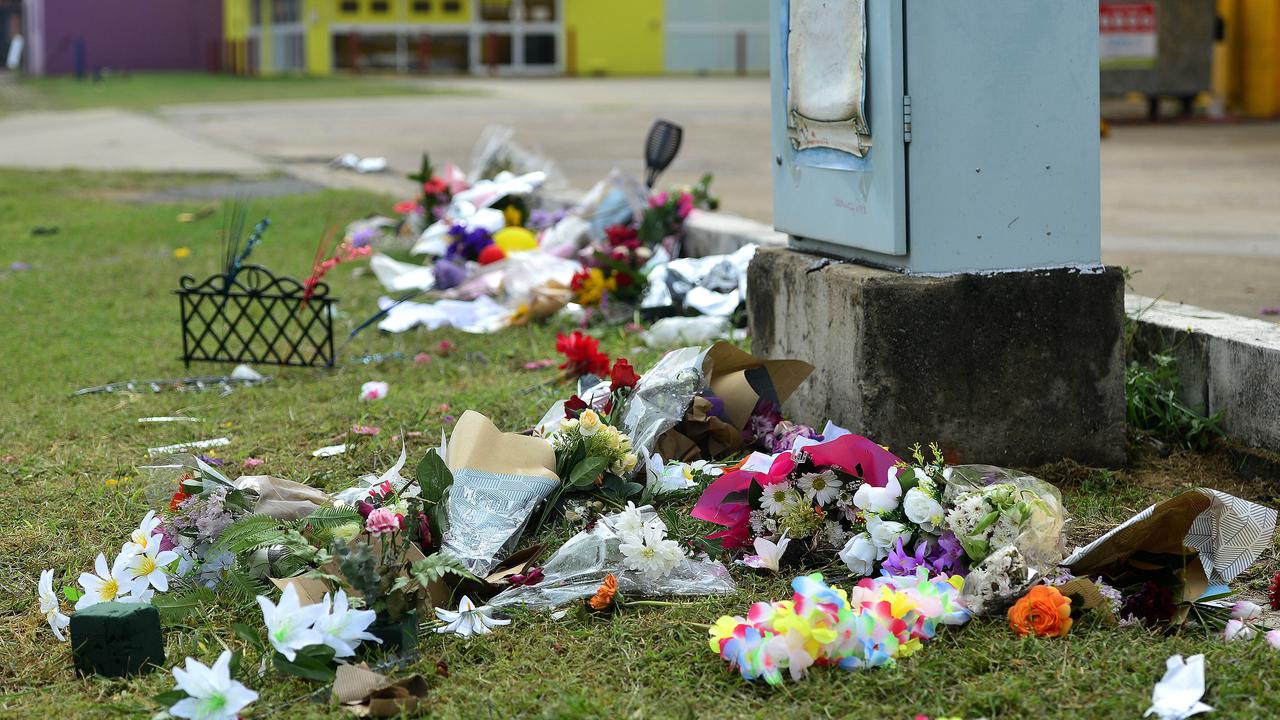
(663, 220)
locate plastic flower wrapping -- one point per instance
(879, 621)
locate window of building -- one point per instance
(495, 10)
(379, 6)
(255, 12)
(349, 7)
(452, 6)
(539, 49)
(422, 6)
(286, 11)
(539, 10)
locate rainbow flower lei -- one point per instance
(880, 620)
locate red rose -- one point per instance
(622, 236)
(573, 406)
(623, 375)
(578, 279)
(434, 186)
(582, 354)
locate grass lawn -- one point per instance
(96, 306)
(147, 91)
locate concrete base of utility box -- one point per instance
(1012, 369)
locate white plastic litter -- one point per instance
(481, 315)
(398, 276)
(184, 447)
(329, 451)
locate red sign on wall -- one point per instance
(1127, 34)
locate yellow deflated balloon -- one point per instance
(515, 239)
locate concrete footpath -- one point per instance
(1191, 208)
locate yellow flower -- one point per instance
(589, 423)
(512, 215)
(347, 532)
(521, 315)
(592, 288)
(723, 630)
(182, 252)
(112, 482)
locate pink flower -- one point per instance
(445, 348)
(686, 205)
(658, 199)
(365, 430)
(539, 364)
(1237, 630)
(383, 520)
(422, 358)
(253, 462)
(373, 390)
(1245, 610)
(1273, 639)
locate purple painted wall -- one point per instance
(132, 34)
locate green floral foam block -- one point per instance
(116, 639)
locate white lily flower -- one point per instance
(148, 566)
(468, 620)
(50, 607)
(211, 693)
(768, 553)
(145, 535)
(342, 628)
(290, 625)
(115, 584)
(879, 499)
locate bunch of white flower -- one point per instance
(645, 546)
(292, 626)
(989, 518)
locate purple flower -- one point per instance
(467, 243)
(949, 556)
(900, 562)
(210, 460)
(448, 274)
(542, 219)
(364, 507)
(363, 237)
(785, 435)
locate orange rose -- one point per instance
(1043, 611)
(605, 594)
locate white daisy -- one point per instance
(778, 497)
(821, 487)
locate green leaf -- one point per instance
(71, 593)
(584, 474)
(327, 518)
(437, 565)
(241, 586)
(249, 635)
(248, 534)
(175, 608)
(313, 662)
(434, 477)
(170, 697)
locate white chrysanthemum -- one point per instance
(778, 498)
(821, 487)
(630, 522)
(652, 553)
(1003, 531)
(836, 534)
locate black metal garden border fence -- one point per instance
(254, 316)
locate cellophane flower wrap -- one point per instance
(1012, 528)
(879, 621)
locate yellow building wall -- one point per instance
(398, 11)
(235, 29)
(317, 16)
(1247, 63)
(613, 37)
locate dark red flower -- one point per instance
(582, 354)
(623, 375)
(573, 406)
(424, 530)
(578, 279)
(434, 186)
(623, 236)
(365, 507)
(1273, 592)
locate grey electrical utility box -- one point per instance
(937, 136)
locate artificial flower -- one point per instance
(923, 510)
(622, 375)
(50, 607)
(141, 538)
(1245, 610)
(211, 693)
(182, 252)
(582, 354)
(148, 567)
(1273, 639)
(820, 487)
(768, 553)
(1237, 630)
(778, 498)
(384, 520)
(651, 553)
(1044, 611)
(886, 533)
(253, 462)
(860, 554)
(422, 358)
(373, 390)
(445, 348)
(879, 499)
(605, 593)
(290, 625)
(468, 620)
(114, 584)
(591, 285)
(1273, 592)
(367, 430)
(342, 628)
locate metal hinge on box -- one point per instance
(906, 118)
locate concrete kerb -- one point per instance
(1226, 363)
